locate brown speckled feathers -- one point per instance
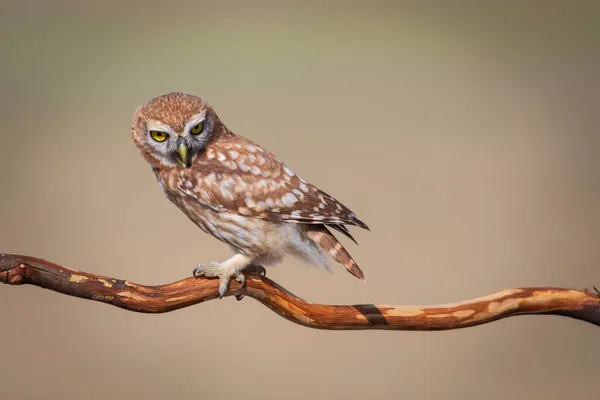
(235, 190)
(234, 174)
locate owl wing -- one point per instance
(246, 179)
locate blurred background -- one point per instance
(464, 133)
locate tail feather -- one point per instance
(342, 228)
(328, 243)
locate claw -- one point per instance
(214, 270)
(241, 278)
(198, 271)
(257, 269)
(223, 286)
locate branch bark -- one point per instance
(578, 304)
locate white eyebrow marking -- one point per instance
(153, 125)
(195, 120)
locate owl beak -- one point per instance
(182, 154)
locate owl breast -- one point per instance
(265, 241)
(247, 235)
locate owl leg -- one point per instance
(231, 268)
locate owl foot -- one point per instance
(214, 269)
(252, 269)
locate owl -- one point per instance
(237, 191)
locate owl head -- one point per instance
(172, 129)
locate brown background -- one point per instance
(466, 136)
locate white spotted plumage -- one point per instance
(237, 191)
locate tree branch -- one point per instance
(582, 305)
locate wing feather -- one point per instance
(243, 178)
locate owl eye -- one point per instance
(197, 129)
(159, 136)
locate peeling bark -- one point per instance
(583, 305)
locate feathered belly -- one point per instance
(266, 241)
(247, 235)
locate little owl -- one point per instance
(237, 191)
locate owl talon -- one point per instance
(252, 269)
(256, 269)
(223, 285)
(241, 278)
(216, 270)
(226, 278)
(198, 272)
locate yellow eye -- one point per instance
(159, 136)
(197, 129)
